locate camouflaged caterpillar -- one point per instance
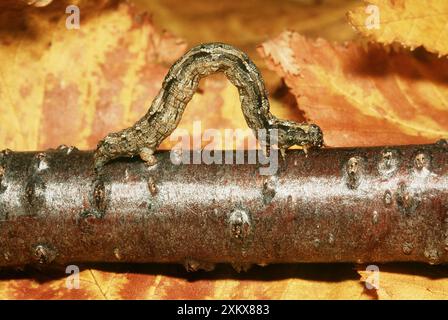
(178, 88)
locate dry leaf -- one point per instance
(38, 3)
(77, 85)
(299, 281)
(410, 281)
(282, 54)
(367, 96)
(244, 23)
(411, 23)
(172, 282)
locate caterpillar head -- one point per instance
(291, 133)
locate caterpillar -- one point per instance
(179, 86)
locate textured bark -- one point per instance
(376, 204)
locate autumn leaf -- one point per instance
(300, 281)
(294, 281)
(366, 96)
(38, 3)
(76, 85)
(282, 54)
(411, 23)
(245, 24)
(398, 281)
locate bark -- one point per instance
(376, 204)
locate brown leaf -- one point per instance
(38, 3)
(404, 282)
(75, 86)
(78, 85)
(367, 96)
(282, 54)
(245, 24)
(411, 23)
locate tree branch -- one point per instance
(376, 204)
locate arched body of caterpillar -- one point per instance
(178, 88)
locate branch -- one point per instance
(376, 204)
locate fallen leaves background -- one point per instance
(410, 23)
(353, 91)
(72, 87)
